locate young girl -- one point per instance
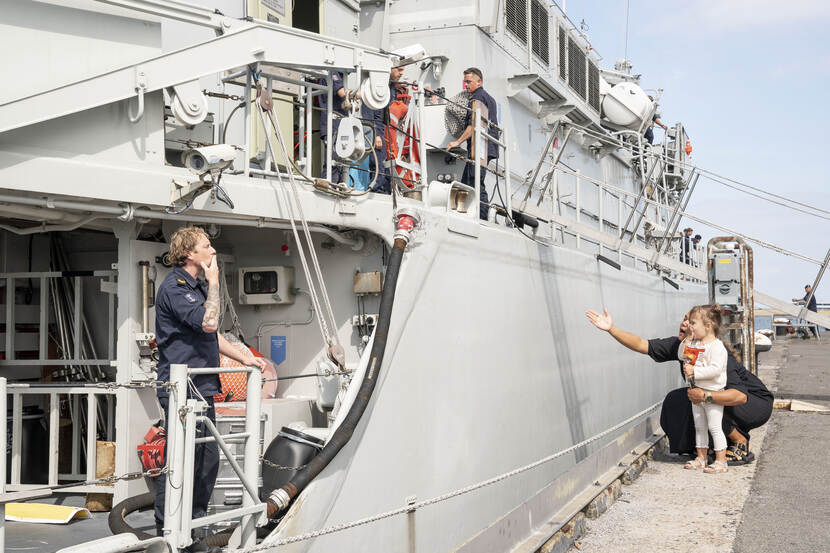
(704, 358)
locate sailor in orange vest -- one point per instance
(396, 111)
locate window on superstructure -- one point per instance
(593, 85)
(539, 31)
(563, 54)
(576, 68)
(515, 12)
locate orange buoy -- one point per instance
(688, 148)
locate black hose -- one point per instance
(344, 432)
(118, 523)
(117, 519)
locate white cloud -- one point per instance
(740, 15)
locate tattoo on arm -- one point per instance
(210, 322)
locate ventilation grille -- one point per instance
(563, 54)
(576, 68)
(539, 31)
(515, 12)
(593, 86)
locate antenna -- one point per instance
(627, 8)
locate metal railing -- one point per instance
(80, 442)
(77, 333)
(183, 415)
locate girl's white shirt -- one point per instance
(710, 368)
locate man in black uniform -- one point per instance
(187, 319)
(812, 306)
(747, 402)
(481, 100)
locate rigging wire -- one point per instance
(711, 175)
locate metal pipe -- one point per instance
(542, 159)
(188, 475)
(422, 144)
(669, 225)
(175, 458)
(10, 325)
(815, 284)
(691, 188)
(508, 196)
(145, 213)
(640, 195)
(145, 292)
(555, 163)
(217, 370)
(247, 483)
(476, 157)
(252, 428)
(309, 153)
(3, 441)
(265, 324)
(330, 119)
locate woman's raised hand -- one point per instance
(602, 322)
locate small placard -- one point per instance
(279, 347)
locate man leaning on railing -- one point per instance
(486, 105)
(187, 321)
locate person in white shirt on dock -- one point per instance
(704, 357)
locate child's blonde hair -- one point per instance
(711, 314)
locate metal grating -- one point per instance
(576, 68)
(515, 14)
(563, 54)
(593, 85)
(539, 31)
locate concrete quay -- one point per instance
(778, 503)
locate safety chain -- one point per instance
(438, 499)
(233, 97)
(152, 473)
(280, 467)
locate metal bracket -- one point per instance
(182, 191)
(140, 87)
(189, 103)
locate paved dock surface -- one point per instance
(779, 503)
(788, 508)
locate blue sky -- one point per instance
(749, 80)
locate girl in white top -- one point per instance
(704, 358)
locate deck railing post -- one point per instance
(187, 471)
(508, 195)
(175, 456)
(600, 190)
(251, 463)
(3, 441)
(476, 154)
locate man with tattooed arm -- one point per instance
(187, 324)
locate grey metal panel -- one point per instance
(562, 380)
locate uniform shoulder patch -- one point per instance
(181, 281)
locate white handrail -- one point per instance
(183, 415)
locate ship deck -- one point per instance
(770, 505)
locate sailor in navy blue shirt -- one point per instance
(812, 306)
(481, 100)
(187, 314)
